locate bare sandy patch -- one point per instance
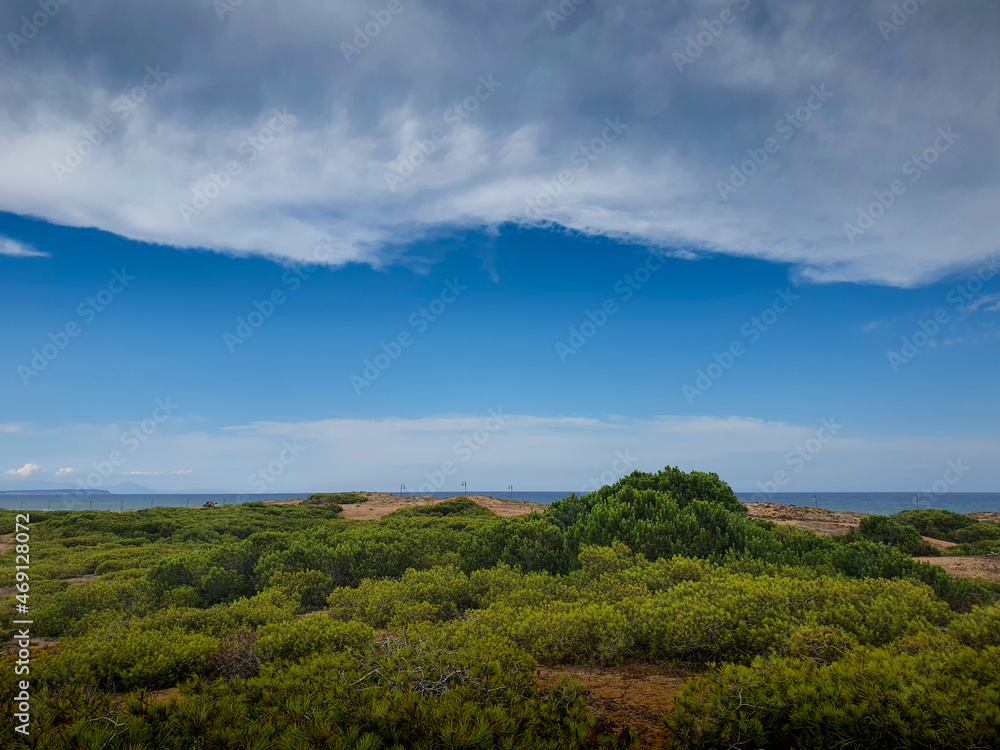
(380, 504)
(968, 567)
(636, 696)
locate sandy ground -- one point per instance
(828, 522)
(382, 504)
(968, 567)
(820, 520)
(638, 695)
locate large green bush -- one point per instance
(885, 530)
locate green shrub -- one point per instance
(820, 643)
(528, 542)
(979, 628)
(310, 587)
(885, 530)
(460, 506)
(978, 532)
(335, 498)
(937, 524)
(308, 636)
(437, 594)
(684, 487)
(118, 657)
(872, 698)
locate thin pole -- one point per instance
(511, 488)
(401, 488)
(465, 488)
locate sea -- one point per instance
(882, 503)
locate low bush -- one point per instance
(335, 498)
(116, 657)
(872, 698)
(460, 506)
(308, 636)
(980, 628)
(885, 530)
(937, 524)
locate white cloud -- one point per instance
(65, 472)
(14, 249)
(535, 452)
(25, 471)
(10, 429)
(324, 172)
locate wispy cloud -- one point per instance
(10, 429)
(986, 302)
(65, 472)
(14, 249)
(872, 325)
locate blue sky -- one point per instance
(743, 236)
(493, 346)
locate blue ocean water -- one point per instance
(883, 503)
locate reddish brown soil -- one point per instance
(636, 696)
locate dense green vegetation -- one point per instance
(289, 627)
(335, 498)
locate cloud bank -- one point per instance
(857, 141)
(493, 449)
